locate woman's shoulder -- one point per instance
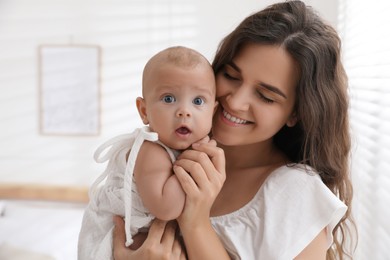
(293, 174)
(296, 182)
(291, 184)
(297, 168)
(285, 183)
(297, 193)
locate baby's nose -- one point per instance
(183, 111)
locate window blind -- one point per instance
(366, 53)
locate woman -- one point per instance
(282, 128)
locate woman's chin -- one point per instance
(221, 140)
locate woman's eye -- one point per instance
(228, 76)
(198, 101)
(169, 99)
(264, 98)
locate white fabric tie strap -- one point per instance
(115, 144)
(145, 134)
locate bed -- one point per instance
(40, 222)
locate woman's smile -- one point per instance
(232, 120)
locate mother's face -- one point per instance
(256, 94)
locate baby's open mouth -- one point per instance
(183, 130)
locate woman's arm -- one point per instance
(201, 173)
(161, 242)
(316, 249)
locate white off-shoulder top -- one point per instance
(286, 214)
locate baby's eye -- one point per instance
(169, 99)
(198, 101)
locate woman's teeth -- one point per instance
(233, 118)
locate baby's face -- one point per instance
(180, 104)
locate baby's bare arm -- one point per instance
(159, 188)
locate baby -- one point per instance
(178, 89)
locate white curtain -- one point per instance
(364, 27)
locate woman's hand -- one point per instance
(160, 243)
(201, 173)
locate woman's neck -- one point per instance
(252, 155)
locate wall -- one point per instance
(128, 33)
(218, 18)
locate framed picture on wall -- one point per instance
(69, 89)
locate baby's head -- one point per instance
(178, 88)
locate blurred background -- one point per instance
(123, 34)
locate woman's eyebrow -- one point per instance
(234, 66)
(271, 88)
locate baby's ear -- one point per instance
(293, 119)
(141, 106)
(215, 106)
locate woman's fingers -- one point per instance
(119, 230)
(207, 161)
(177, 251)
(168, 245)
(215, 153)
(205, 140)
(198, 176)
(201, 171)
(187, 182)
(119, 238)
(161, 242)
(168, 237)
(156, 231)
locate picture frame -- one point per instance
(69, 89)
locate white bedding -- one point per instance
(47, 230)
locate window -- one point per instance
(366, 50)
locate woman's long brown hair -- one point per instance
(321, 138)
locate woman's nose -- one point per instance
(238, 99)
